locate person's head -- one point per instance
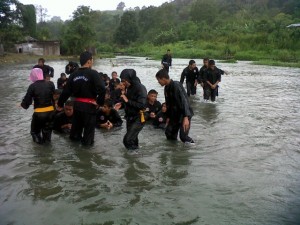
(36, 74)
(108, 105)
(68, 109)
(63, 76)
(163, 77)
(128, 76)
(120, 86)
(164, 107)
(169, 52)
(205, 62)
(86, 59)
(47, 77)
(192, 64)
(212, 64)
(56, 94)
(152, 95)
(41, 61)
(114, 75)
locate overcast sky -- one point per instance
(65, 8)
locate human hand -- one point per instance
(186, 124)
(124, 98)
(118, 106)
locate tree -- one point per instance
(41, 13)
(127, 31)
(121, 6)
(28, 18)
(7, 15)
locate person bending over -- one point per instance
(63, 120)
(108, 117)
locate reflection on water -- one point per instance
(244, 168)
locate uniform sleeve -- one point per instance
(182, 76)
(51, 71)
(117, 119)
(66, 93)
(27, 100)
(100, 88)
(183, 101)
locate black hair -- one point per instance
(114, 72)
(152, 91)
(191, 62)
(42, 60)
(164, 104)
(69, 103)
(162, 74)
(62, 74)
(84, 57)
(211, 62)
(108, 103)
(205, 59)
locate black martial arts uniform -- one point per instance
(155, 108)
(190, 76)
(60, 120)
(137, 97)
(112, 84)
(177, 108)
(166, 61)
(41, 92)
(71, 67)
(113, 117)
(86, 86)
(47, 70)
(212, 76)
(160, 120)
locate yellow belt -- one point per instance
(142, 116)
(45, 109)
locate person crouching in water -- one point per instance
(160, 120)
(63, 120)
(179, 112)
(108, 117)
(212, 77)
(152, 106)
(134, 101)
(41, 93)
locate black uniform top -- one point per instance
(212, 75)
(201, 74)
(137, 97)
(47, 70)
(189, 75)
(60, 120)
(167, 59)
(71, 67)
(156, 107)
(113, 117)
(160, 120)
(41, 92)
(61, 82)
(112, 83)
(177, 101)
(84, 83)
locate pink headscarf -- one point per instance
(36, 74)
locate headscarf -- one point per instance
(36, 74)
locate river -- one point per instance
(244, 168)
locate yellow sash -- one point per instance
(45, 109)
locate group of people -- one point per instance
(88, 100)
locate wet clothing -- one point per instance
(177, 108)
(137, 97)
(112, 84)
(113, 117)
(155, 108)
(61, 83)
(212, 76)
(167, 59)
(60, 120)
(160, 120)
(190, 76)
(47, 70)
(87, 88)
(115, 96)
(41, 92)
(201, 74)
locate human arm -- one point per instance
(27, 100)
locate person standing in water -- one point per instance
(179, 112)
(135, 101)
(48, 71)
(166, 60)
(212, 77)
(86, 86)
(190, 74)
(41, 93)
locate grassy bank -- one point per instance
(220, 51)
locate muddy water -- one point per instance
(244, 168)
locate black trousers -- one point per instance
(134, 127)
(174, 127)
(41, 126)
(83, 127)
(191, 88)
(210, 93)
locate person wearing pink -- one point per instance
(41, 93)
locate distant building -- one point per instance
(35, 47)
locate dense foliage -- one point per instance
(240, 29)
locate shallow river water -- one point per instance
(244, 168)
